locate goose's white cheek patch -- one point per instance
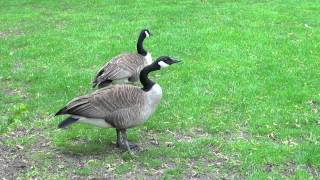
(163, 64)
(147, 34)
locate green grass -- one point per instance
(245, 101)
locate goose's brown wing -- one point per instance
(105, 102)
(120, 67)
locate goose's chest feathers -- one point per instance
(153, 97)
(148, 59)
(154, 94)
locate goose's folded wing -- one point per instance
(104, 102)
(120, 67)
(81, 106)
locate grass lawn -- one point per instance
(244, 103)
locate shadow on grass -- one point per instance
(86, 148)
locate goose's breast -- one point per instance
(153, 98)
(139, 114)
(148, 59)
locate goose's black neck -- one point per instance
(140, 48)
(145, 81)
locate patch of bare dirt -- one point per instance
(193, 166)
(212, 168)
(11, 32)
(142, 172)
(239, 132)
(313, 170)
(62, 159)
(24, 158)
(13, 159)
(61, 25)
(189, 136)
(290, 169)
(314, 105)
(200, 132)
(10, 91)
(150, 138)
(268, 167)
(21, 158)
(14, 92)
(17, 67)
(180, 137)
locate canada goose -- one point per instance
(124, 67)
(119, 106)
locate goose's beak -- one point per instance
(176, 61)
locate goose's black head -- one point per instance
(145, 33)
(165, 61)
(161, 62)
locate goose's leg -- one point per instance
(122, 140)
(125, 139)
(118, 138)
(128, 143)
